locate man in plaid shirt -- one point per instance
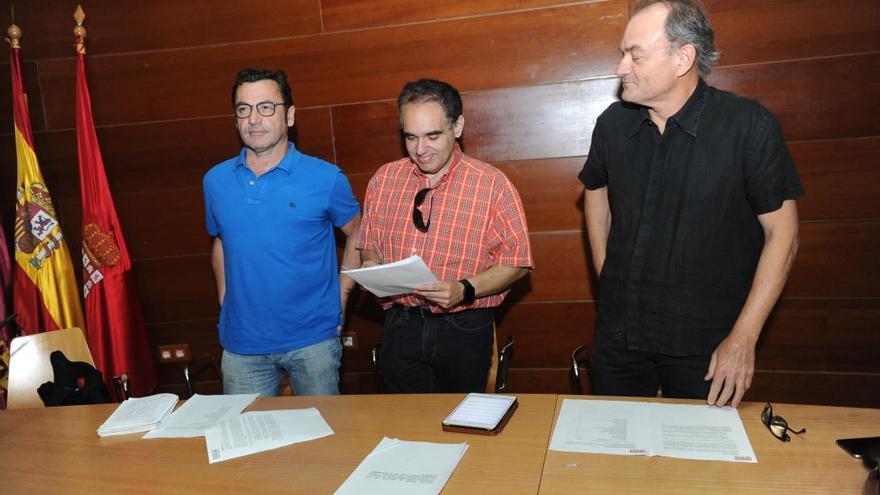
(466, 220)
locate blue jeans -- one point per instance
(313, 370)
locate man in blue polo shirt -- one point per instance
(271, 211)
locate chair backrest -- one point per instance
(580, 358)
(207, 362)
(504, 359)
(377, 370)
(29, 365)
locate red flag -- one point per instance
(45, 293)
(116, 333)
(5, 330)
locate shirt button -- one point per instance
(251, 182)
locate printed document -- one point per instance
(257, 431)
(643, 428)
(200, 412)
(398, 467)
(138, 414)
(400, 277)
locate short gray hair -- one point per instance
(688, 24)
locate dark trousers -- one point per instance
(424, 352)
(621, 371)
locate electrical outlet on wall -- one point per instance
(173, 353)
(349, 340)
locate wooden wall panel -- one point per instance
(367, 135)
(526, 48)
(840, 177)
(545, 334)
(836, 260)
(820, 335)
(360, 14)
(827, 112)
(158, 24)
(561, 272)
(749, 31)
(551, 193)
(839, 389)
(175, 289)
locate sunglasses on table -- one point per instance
(777, 425)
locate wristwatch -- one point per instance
(469, 292)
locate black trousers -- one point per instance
(618, 370)
(424, 352)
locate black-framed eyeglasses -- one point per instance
(264, 108)
(418, 219)
(777, 425)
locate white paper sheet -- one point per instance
(391, 279)
(200, 412)
(257, 431)
(642, 428)
(398, 467)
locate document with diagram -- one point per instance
(644, 428)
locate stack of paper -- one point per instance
(138, 414)
(400, 467)
(200, 412)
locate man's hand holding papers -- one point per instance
(391, 279)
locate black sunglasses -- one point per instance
(777, 425)
(418, 219)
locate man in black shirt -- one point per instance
(691, 214)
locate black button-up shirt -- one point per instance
(685, 238)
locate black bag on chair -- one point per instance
(76, 383)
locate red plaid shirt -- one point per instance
(476, 222)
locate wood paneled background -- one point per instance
(534, 75)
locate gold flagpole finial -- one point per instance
(13, 36)
(79, 31)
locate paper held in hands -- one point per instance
(391, 279)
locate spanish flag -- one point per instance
(116, 333)
(45, 294)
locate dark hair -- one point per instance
(688, 24)
(425, 90)
(253, 75)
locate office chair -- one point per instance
(120, 387)
(196, 367)
(504, 359)
(30, 367)
(580, 358)
(377, 371)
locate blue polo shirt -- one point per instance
(279, 250)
